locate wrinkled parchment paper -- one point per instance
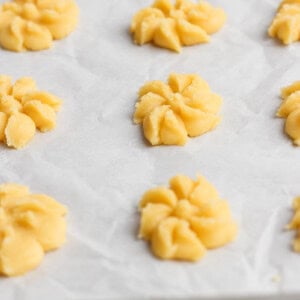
(97, 163)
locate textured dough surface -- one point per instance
(172, 26)
(23, 108)
(186, 219)
(286, 24)
(290, 110)
(171, 112)
(30, 225)
(34, 24)
(295, 224)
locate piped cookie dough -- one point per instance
(30, 225)
(171, 112)
(172, 26)
(34, 24)
(186, 219)
(290, 110)
(23, 108)
(295, 224)
(286, 24)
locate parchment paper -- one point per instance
(97, 163)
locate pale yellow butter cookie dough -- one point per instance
(186, 219)
(172, 26)
(295, 224)
(23, 108)
(290, 110)
(171, 112)
(286, 24)
(30, 225)
(34, 24)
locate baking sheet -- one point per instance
(97, 163)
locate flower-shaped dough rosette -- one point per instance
(171, 25)
(290, 110)
(171, 112)
(30, 225)
(295, 224)
(184, 220)
(34, 24)
(23, 108)
(286, 24)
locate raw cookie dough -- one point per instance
(23, 108)
(184, 220)
(34, 24)
(290, 109)
(30, 225)
(295, 224)
(286, 24)
(171, 112)
(170, 25)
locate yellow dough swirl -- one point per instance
(295, 224)
(23, 108)
(286, 24)
(171, 112)
(34, 24)
(170, 25)
(290, 110)
(30, 225)
(183, 221)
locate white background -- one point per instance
(97, 163)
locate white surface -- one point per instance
(97, 163)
